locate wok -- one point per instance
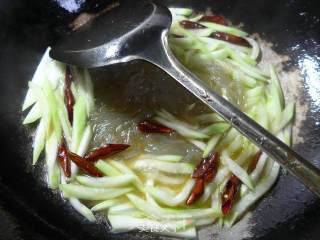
(29, 210)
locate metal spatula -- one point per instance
(138, 30)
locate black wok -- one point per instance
(29, 210)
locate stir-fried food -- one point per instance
(162, 169)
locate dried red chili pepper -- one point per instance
(105, 151)
(197, 191)
(150, 127)
(230, 38)
(254, 161)
(233, 184)
(190, 25)
(215, 19)
(68, 95)
(64, 159)
(204, 173)
(229, 193)
(207, 168)
(85, 165)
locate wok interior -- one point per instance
(30, 26)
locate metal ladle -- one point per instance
(138, 30)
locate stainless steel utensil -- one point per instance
(138, 30)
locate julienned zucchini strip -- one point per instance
(134, 194)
